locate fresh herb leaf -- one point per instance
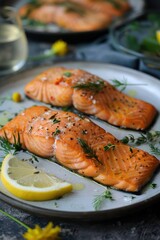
(150, 45)
(91, 86)
(97, 202)
(123, 85)
(56, 132)
(8, 147)
(67, 74)
(109, 146)
(154, 150)
(54, 119)
(153, 185)
(151, 138)
(90, 153)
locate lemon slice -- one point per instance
(27, 182)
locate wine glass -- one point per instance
(13, 42)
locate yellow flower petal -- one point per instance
(59, 48)
(158, 36)
(47, 233)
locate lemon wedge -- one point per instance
(27, 182)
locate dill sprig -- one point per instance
(122, 85)
(67, 74)
(155, 150)
(151, 138)
(109, 146)
(91, 86)
(56, 132)
(97, 202)
(90, 153)
(8, 147)
(54, 119)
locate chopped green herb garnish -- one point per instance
(91, 86)
(100, 198)
(56, 132)
(90, 153)
(67, 74)
(153, 185)
(54, 119)
(109, 146)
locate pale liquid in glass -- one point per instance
(13, 48)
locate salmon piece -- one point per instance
(57, 86)
(79, 144)
(71, 16)
(114, 8)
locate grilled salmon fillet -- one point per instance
(91, 95)
(80, 145)
(66, 14)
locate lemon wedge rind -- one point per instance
(34, 184)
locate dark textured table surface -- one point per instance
(144, 224)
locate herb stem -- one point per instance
(42, 56)
(14, 219)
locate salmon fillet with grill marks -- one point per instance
(91, 95)
(80, 145)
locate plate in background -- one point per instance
(138, 38)
(53, 33)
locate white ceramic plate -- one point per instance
(79, 204)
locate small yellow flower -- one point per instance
(59, 48)
(16, 97)
(158, 36)
(47, 233)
